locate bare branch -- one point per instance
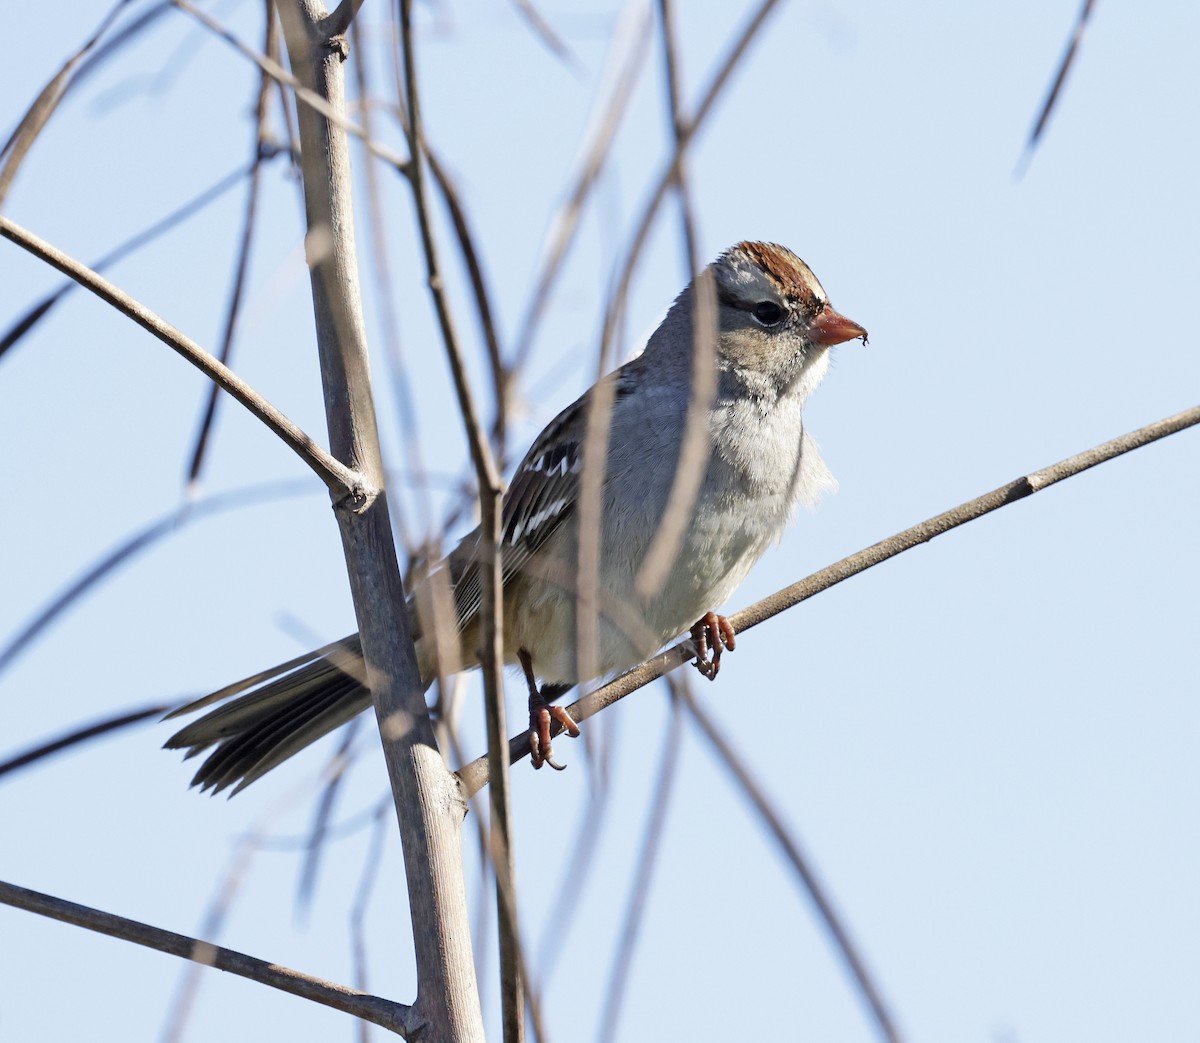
(396, 1017)
(383, 300)
(77, 735)
(242, 266)
(639, 890)
(565, 223)
(694, 448)
(343, 483)
(795, 856)
(547, 35)
(39, 311)
(683, 139)
(339, 22)
(429, 807)
(44, 106)
(474, 775)
(303, 94)
(1064, 67)
(130, 548)
(491, 651)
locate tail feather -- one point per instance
(255, 732)
(347, 647)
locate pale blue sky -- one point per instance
(986, 746)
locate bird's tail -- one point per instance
(284, 710)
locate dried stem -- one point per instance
(44, 106)
(790, 847)
(474, 775)
(491, 651)
(306, 97)
(197, 203)
(242, 267)
(695, 450)
(397, 1017)
(1064, 67)
(639, 889)
(343, 482)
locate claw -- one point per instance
(541, 715)
(715, 633)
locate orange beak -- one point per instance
(831, 327)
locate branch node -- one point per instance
(339, 45)
(357, 497)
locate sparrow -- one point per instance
(767, 333)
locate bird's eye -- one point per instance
(768, 313)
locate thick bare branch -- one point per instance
(396, 1017)
(429, 808)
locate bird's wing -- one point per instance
(542, 496)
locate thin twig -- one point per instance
(566, 222)
(384, 300)
(17, 147)
(491, 638)
(396, 1017)
(616, 307)
(541, 29)
(362, 899)
(194, 205)
(473, 776)
(639, 889)
(343, 483)
(242, 267)
(219, 908)
(791, 849)
(1068, 58)
(302, 93)
(333, 775)
(133, 545)
(501, 377)
(695, 450)
(77, 735)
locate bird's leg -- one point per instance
(541, 713)
(712, 632)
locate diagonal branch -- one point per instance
(397, 1017)
(344, 483)
(45, 105)
(792, 851)
(1064, 67)
(135, 242)
(474, 776)
(304, 95)
(242, 265)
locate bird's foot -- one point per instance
(716, 633)
(541, 715)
